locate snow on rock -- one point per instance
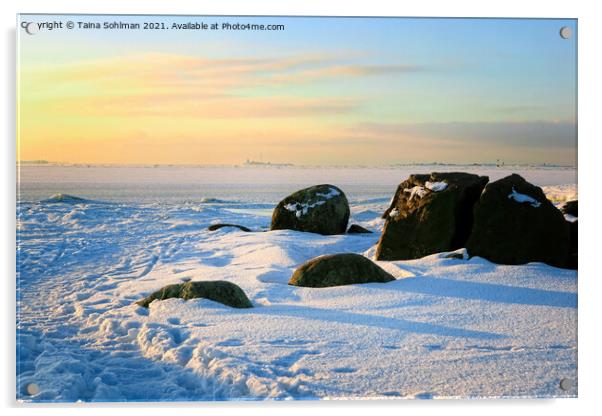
(332, 192)
(418, 191)
(421, 191)
(301, 209)
(436, 186)
(521, 198)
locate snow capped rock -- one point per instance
(321, 209)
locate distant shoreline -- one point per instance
(262, 165)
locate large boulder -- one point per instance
(429, 213)
(218, 291)
(321, 209)
(514, 223)
(338, 270)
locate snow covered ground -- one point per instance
(444, 328)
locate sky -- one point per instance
(323, 91)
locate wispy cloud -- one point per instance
(507, 133)
(204, 106)
(159, 84)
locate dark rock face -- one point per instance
(219, 291)
(429, 214)
(215, 227)
(321, 209)
(573, 238)
(338, 270)
(514, 223)
(357, 229)
(455, 256)
(570, 208)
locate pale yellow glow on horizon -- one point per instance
(159, 108)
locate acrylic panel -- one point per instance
(249, 208)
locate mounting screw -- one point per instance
(565, 32)
(32, 28)
(32, 389)
(566, 384)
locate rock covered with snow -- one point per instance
(339, 270)
(218, 291)
(430, 213)
(321, 209)
(514, 223)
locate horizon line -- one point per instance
(251, 163)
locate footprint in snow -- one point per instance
(344, 370)
(433, 347)
(424, 395)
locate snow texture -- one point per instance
(445, 328)
(436, 186)
(521, 198)
(421, 191)
(416, 191)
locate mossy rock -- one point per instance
(218, 291)
(422, 221)
(321, 209)
(339, 270)
(514, 223)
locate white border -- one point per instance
(590, 151)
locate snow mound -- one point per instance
(64, 198)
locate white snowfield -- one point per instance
(444, 328)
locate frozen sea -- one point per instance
(444, 328)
